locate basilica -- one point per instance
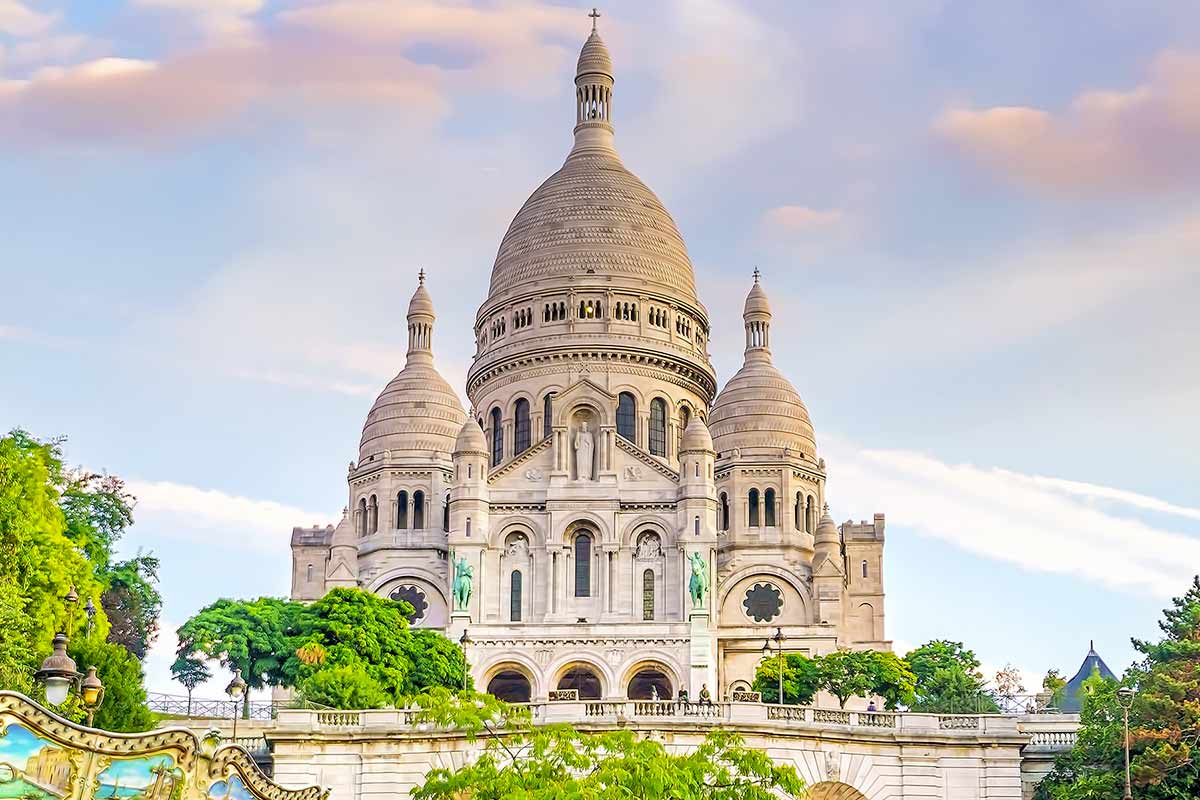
(604, 523)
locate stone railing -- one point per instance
(1048, 732)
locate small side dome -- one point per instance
(594, 57)
(470, 440)
(696, 437)
(827, 530)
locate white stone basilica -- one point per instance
(605, 522)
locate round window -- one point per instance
(414, 597)
(763, 602)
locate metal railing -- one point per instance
(173, 705)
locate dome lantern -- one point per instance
(593, 92)
(420, 321)
(757, 316)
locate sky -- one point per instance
(978, 224)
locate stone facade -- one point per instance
(629, 531)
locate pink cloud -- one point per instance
(798, 219)
(18, 19)
(1142, 138)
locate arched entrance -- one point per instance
(510, 686)
(650, 683)
(582, 678)
(832, 790)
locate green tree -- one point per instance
(124, 704)
(556, 761)
(190, 673)
(349, 627)
(1056, 685)
(846, 674)
(132, 603)
(249, 635)
(891, 679)
(801, 679)
(1164, 721)
(347, 686)
(948, 679)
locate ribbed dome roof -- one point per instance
(696, 436)
(470, 439)
(416, 412)
(760, 408)
(594, 216)
(594, 57)
(756, 301)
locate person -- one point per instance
(871, 707)
(705, 696)
(683, 695)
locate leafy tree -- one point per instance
(801, 679)
(124, 705)
(248, 635)
(556, 761)
(1056, 685)
(190, 673)
(347, 686)
(846, 674)
(132, 603)
(948, 679)
(1164, 721)
(349, 627)
(891, 679)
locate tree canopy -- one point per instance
(843, 673)
(948, 680)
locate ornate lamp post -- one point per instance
(778, 639)
(463, 641)
(58, 672)
(235, 690)
(1125, 699)
(91, 692)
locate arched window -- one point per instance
(583, 565)
(627, 416)
(402, 510)
(510, 686)
(754, 508)
(724, 511)
(658, 427)
(362, 517)
(418, 510)
(374, 511)
(546, 429)
(810, 514)
(497, 438)
(685, 416)
(514, 597)
(864, 569)
(769, 507)
(521, 415)
(446, 513)
(648, 594)
(310, 571)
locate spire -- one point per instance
(593, 92)
(757, 316)
(420, 322)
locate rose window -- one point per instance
(763, 602)
(414, 597)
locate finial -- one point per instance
(827, 508)
(421, 276)
(595, 15)
(756, 274)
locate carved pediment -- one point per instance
(584, 392)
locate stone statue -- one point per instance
(462, 584)
(698, 583)
(583, 453)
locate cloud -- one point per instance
(216, 19)
(1020, 519)
(1106, 140)
(18, 19)
(801, 219)
(235, 522)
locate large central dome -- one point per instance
(594, 217)
(593, 268)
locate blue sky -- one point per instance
(979, 225)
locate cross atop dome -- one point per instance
(595, 15)
(756, 274)
(421, 277)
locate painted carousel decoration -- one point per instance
(46, 757)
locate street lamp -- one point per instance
(58, 672)
(90, 608)
(778, 639)
(235, 690)
(463, 641)
(1125, 699)
(91, 691)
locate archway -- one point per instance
(510, 686)
(832, 790)
(583, 679)
(648, 683)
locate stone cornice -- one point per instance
(518, 460)
(646, 458)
